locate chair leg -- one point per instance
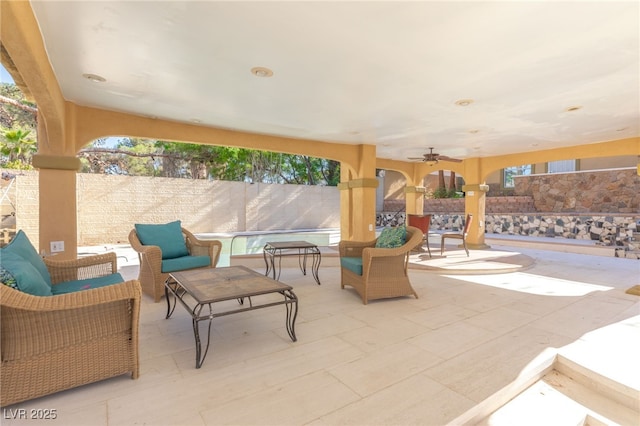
(464, 244)
(441, 246)
(428, 248)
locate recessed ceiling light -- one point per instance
(464, 102)
(622, 129)
(196, 120)
(573, 108)
(261, 72)
(474, 131)
(94, 77)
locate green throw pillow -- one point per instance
(392, 237)
(167, 236)
(8, 279)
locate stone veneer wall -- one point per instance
(108, 206)
(602, 191)
(608, 230)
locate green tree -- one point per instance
(198, 161)
(17, 149)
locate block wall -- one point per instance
(109, 206)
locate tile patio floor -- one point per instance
(423, 361)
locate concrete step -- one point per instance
(570, 394)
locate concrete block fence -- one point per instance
(109, 206)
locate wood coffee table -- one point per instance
(200, 289)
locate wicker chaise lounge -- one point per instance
(160, 255)
(54, 343)
(378, 273)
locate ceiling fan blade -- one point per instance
(415, 158)
(445, 158)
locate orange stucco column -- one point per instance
(346, 211)
(57, 200)
(358, 196)
(474, 203)
(414, 199)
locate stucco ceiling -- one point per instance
(383, 73)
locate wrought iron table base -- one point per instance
(195, 309)
(273, 250)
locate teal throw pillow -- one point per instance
(167, 236)
(392, 237)
(22, 247)
(25, 276)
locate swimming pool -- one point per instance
(252, 242)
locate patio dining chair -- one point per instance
(422, 222)
(462, 235)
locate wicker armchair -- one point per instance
(384, 270)
(54, 343)
(151, 276)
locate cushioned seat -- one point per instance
(185, 262)
(86, 284)
(354, 264)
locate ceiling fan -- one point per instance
(432, 158)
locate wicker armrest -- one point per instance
(413, 240)
(198, 247)
(354, 248)
(85, 267)
(151, 254)
(129, 290)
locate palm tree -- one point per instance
(17, 146)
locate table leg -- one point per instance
(266, 251)
(303, 262)
(196, 334)
(168, 291)
(279, 265)
(292, 313)
(317, 258)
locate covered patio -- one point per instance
(471, 341)
(385, 100)
(469, 344)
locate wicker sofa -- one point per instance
(378, 273)
(53, 343)
(169, 248)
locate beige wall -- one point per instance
(109, 206)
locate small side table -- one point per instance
(302, 249)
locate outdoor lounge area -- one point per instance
(466, 346)
(383, 99)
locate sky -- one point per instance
(5, 77)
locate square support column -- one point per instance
(474, 203)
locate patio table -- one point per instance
(198, 289)
(302, 249)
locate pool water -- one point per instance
(239, 243)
